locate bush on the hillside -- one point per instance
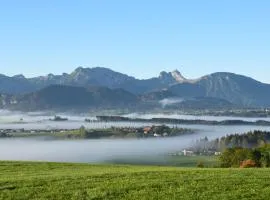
(232, 157)
(200, 164)
(248, 164)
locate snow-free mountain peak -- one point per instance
(178, 76)
(172, 77)
(19, 76)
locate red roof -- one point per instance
(147, 129)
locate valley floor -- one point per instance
(33, 180)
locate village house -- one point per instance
(147, 129)
(157, 135)
(187, 152)
(165, 134)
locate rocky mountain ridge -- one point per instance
(236, 89)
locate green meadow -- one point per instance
(40, 180)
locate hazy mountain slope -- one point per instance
(234, 88)
(157, 95)
(187, 100)
(99, 76)
(206, 103)
(143, 86)
(187, 90)
(15, 85)
(164, 80)
(6, 100)
(71, 97)
(85, 77)
(237, 89)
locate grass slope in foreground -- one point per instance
(27, 180)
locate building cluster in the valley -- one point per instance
(154, 131)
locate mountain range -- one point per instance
(103, 87)
(84, 77)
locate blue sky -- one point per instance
(137, 37)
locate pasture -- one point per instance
(40, 180)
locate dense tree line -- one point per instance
(251, 149)
(183, 121)
(252, 139)
(247, 140)
(245, 157)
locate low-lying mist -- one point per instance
(101, 150)
(110, 150)
(193, 117)
(94, 151)
(170, 101)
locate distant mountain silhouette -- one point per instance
(60, 96)
(236, 89)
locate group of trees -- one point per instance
(247, 140)
(252, 139)
(163, 130)
(246, 157)
(251, 149)
(3, 135)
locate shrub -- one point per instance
(248, 164)
(200, 164)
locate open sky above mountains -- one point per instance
(138, 38)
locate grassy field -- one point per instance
(168, 160)
(26, 180)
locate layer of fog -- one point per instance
(109, 150)
(170, 101)
(38, 118)
(7, 116)
(101, 150)
(193, 117)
